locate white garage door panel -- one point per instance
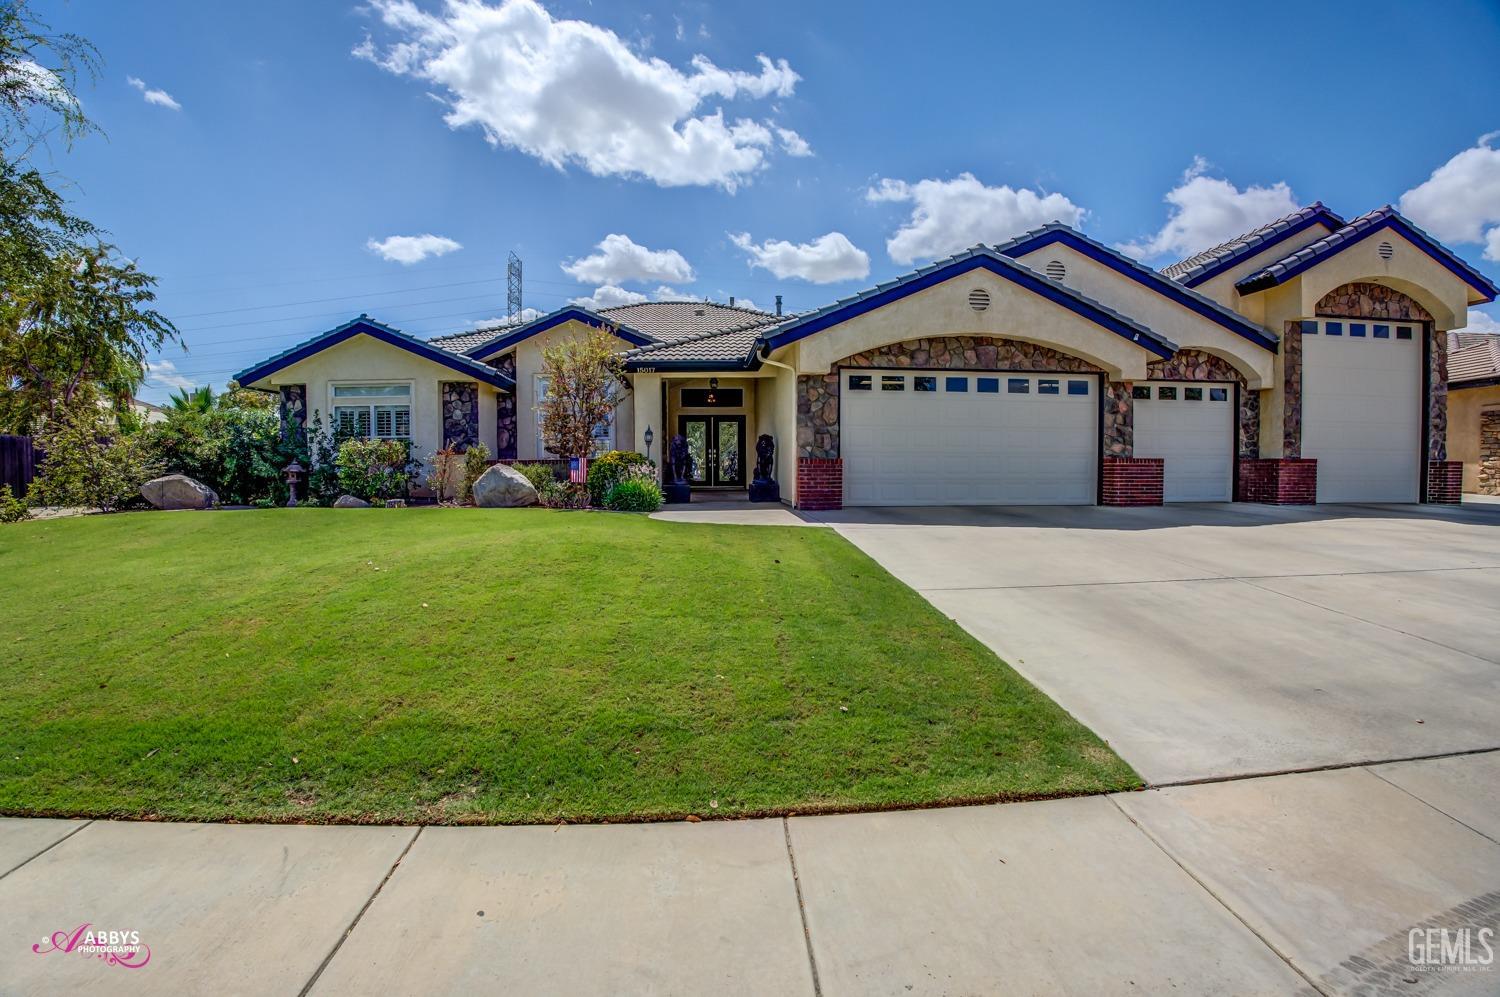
(952, 447)
(1361, 413)
(1190, 425)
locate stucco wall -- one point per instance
(528, 357)
(1466, 407)
(362, 359)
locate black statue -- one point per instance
(679, 465)
(764, 488)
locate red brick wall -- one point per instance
(1445, 481)
(820, 483)
(1278, 480)
(1131, 480)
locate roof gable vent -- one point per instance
(1056, 269)
(979, 299)
(699, 311)
(1386, 250)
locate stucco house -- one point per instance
(1474, 409)
(1301, 362)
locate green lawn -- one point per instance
(442, 665)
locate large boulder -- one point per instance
(350, 502)
(178, 491)
(503, 487)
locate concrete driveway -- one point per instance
(1212, 641)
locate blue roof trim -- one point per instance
(1318, 215)
(366, 326)
(1141, 274)
(1357, 231)
(537, 326)
(978, 258)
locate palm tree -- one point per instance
(194, 400)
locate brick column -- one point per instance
(1278, 481)
(820, 483)
(1131, 480)
(1445, 481)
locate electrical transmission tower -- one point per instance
(513, 289)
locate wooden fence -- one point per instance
(19, 458)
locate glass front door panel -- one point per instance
(729, 446)
(696, 431)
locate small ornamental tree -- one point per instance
(583, 376)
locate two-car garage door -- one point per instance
(969, 438)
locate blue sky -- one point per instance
(257, 160)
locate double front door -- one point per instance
(716, 445)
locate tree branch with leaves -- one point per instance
(583, 375)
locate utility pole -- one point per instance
(513, 289)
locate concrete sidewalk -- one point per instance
(1306, 883)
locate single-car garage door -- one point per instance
(1361, 410)
(1190, 426)
(968, 438)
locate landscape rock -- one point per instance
(350, 502)
(503, 487)
(178, 491)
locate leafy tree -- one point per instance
(91, 464)
(583, 376)
(40, 71)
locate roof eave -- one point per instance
(1324, 217)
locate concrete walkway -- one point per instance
(1306, 883)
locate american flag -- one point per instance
(578, 470)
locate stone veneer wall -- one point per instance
(818, 394)
(1437, 396)
(1291, 390)
(505, 412)
(460, 414)
(1489, 452)
(1119, 420)
(293, 411)
(1364, 300)
(1196, 365)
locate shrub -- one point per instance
(635, 494)
(12, 509)
(238, 452)
(476, 462)
(88, 466)
(443, 471)
(540, 475)
(371, 469)
(606, 469)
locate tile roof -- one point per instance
(807, 323)
(1114, 259)
(1198, 268)
(726, 347)
(459, 342)
(676, 320)
(1478, 360)
(1365, 225)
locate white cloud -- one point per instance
(620, 259)
(1207, 211)
(826, 260)
(38, 83)
(158, 97)
(1482, 322)
(164, 374)
(527, 314)
(1461, 197)
(951, 215)
(747, 303)
(665, 293)
(568, 91)
(409, 249)
(609, 296)
(794, 144)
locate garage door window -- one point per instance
(1331, 328)
(1382, 332)
(1167, 394)
(889, 383)
(860, 382)
(924, 384)
(1403, 332)
(957, 384)
(1047, 386)
(989, 385)
(1019, 386)
(1078, 387)
(1218, 394)
(1140, 391)
(1356, 328)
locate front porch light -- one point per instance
(648, 438)
(713, 391)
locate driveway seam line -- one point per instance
(1361, 619)
(317, 974)
(812, 960)
(1430, 805)
(44, 851)
(1203, 578)
(1218, 899)
(1330, 767)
